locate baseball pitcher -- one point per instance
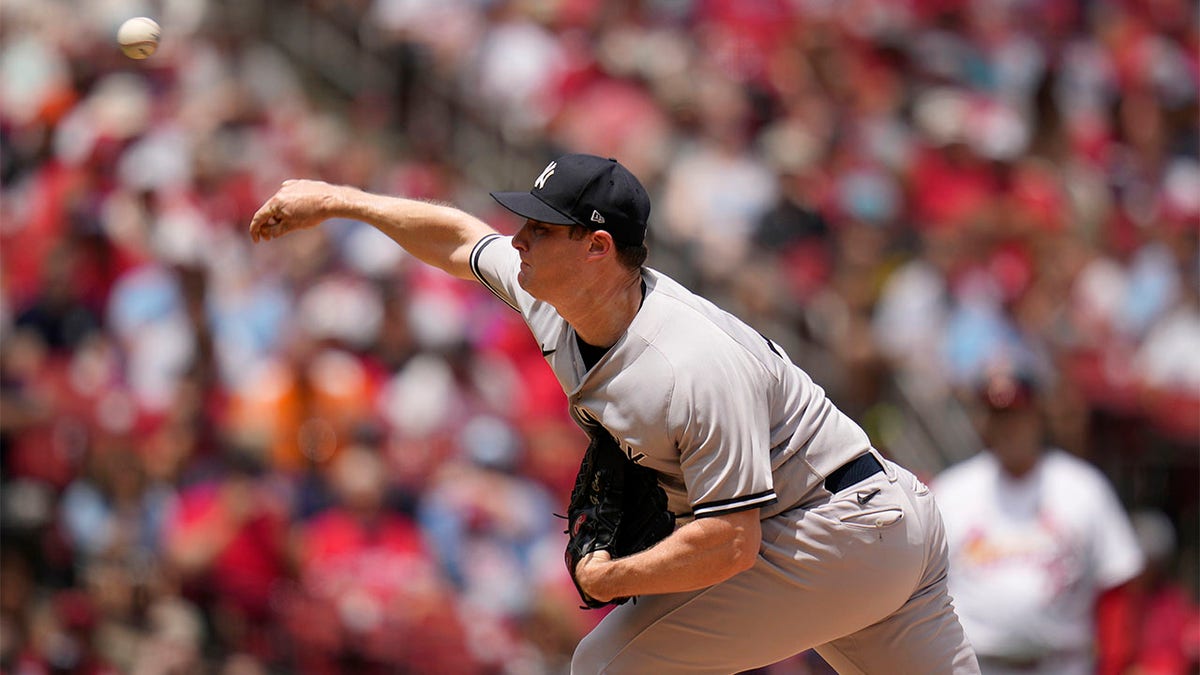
(785, 530)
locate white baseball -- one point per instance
(138, 37)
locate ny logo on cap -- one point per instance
(546, 173)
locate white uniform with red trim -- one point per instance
(730, 423)
(1029, 556)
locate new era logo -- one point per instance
(596, 217)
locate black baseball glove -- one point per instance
(616, 506)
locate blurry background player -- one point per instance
(1035, 536)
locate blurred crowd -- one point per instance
(320, 456)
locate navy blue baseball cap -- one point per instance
(586, 190)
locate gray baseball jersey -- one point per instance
(730, 423)
(694, 393)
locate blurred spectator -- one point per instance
(369, 596)
(1035, 536)
(793, 227)
(174, 642)
(488, 524)
(226, 540)
(304, 405)
(115, 507)
(60, 632)
(516, 59)
(58, 314)
(914, 309)
(716, 187)
(1168, 379)
(496, 540)
(1150, 626)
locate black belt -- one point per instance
(855, 471)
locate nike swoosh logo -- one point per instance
(548, 352)
(863, 499)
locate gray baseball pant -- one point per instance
(863, 584)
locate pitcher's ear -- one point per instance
(600, 241)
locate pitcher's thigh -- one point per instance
(761, 616)
(923, 638)
(724, 629)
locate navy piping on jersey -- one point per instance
(733, 505)
(474, 260)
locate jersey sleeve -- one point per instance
(495, 263)
(1117, 553)
(724, 453)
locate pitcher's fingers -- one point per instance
(261, 218)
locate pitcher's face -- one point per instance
(550, 259)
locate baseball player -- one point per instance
(1035, 535)
(794, 532)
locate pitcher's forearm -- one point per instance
(697, 555)
(436, 234)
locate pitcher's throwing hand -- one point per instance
(297, 205)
